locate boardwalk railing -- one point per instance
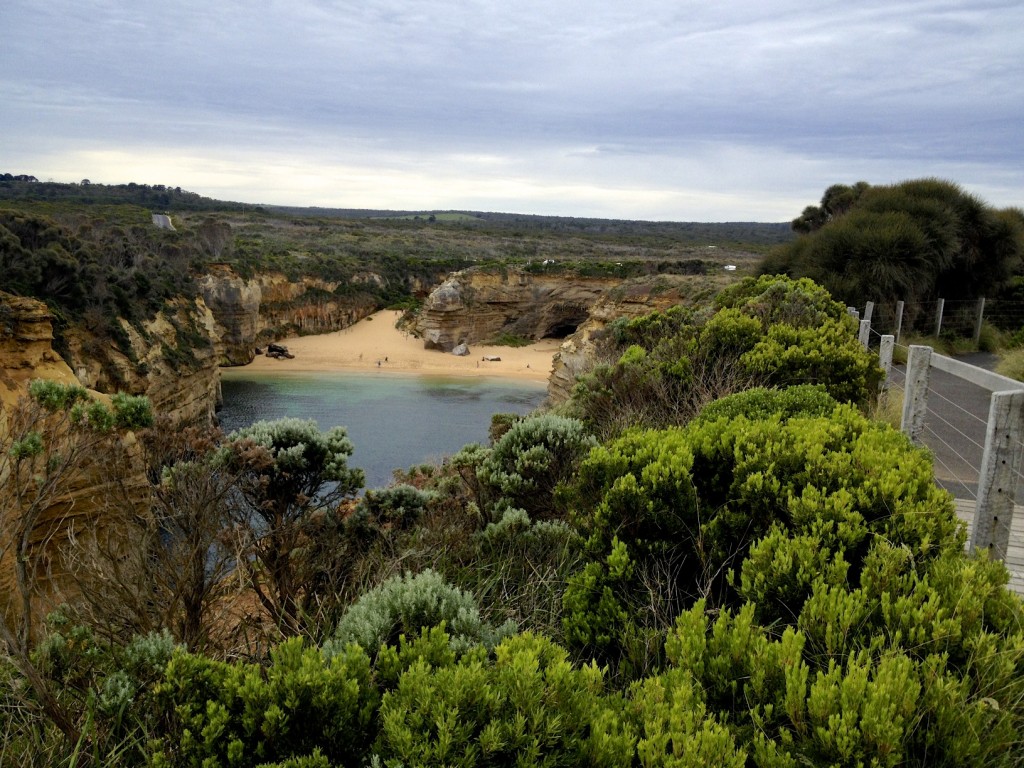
(999, 474)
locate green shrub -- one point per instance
(299, 706)
(771, 331)
(781, 502)
(529, 706)
(529, 461)
(760, 402)
(404, 605)
(399, 505)
(1011, 364)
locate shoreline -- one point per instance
(375, 344)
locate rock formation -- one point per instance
(587, 346)
(267, 307)
(26, 348)
(477, 305)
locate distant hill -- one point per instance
(156, 197)
(162, 198)
(726, 232)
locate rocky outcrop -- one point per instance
(26, 348)
(250, 312)
(172, 359)
(589, 344)
(477, 305)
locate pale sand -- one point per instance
(374, 343)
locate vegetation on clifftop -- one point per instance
(768, 578)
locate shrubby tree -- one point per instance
(768, 331)
(406, 605)
(174, 567)
(914, 241)
(290, 472)
(56, 438)
(531, 459)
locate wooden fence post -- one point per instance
(938, 317)
(899, 321)
(865, 333)
(885, 357)
(978, 319)
(915, 392)
(997, 482)
(869, 310)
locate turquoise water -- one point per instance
(394, 421)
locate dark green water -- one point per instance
(394, 421)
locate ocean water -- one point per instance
(394, 421)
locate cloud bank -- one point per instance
(658, 110)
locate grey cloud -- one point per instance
(925, 82)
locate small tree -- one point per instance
(173, 567)
(56, 439)
(289, 470)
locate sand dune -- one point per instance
(375, 343)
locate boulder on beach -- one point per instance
(278, 351)
(461, 350)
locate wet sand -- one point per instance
(374, 343)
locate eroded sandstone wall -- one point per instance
(252, 312)
(589, 345)
(477, 305)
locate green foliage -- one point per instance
(914, 241)
(398, 505)
(797, 499)
(476, 713)
(106, 691)
(826, 353)
(288, 470)
(770, 330)
(759, 403)
(1011, 364)
(54, 396)
(299, 706)
(304, 459)
(404, 605)
(530, 459)
(508, 340)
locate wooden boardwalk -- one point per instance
(1015, 555)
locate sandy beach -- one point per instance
(374, 343)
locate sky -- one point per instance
(649, 109)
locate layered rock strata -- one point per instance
(267, 307)
(477, 305)
(589, 345)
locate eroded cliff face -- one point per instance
(26, 348)
(252, 312)
(81, 506)
(589, 344)
(477, 305)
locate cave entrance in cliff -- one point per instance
(565, 323)
(561, 330)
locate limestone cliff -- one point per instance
(171, 359)
(267, 307)
(477, 304)
(26, 348)
(588, 345)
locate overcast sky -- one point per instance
(647, 109)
